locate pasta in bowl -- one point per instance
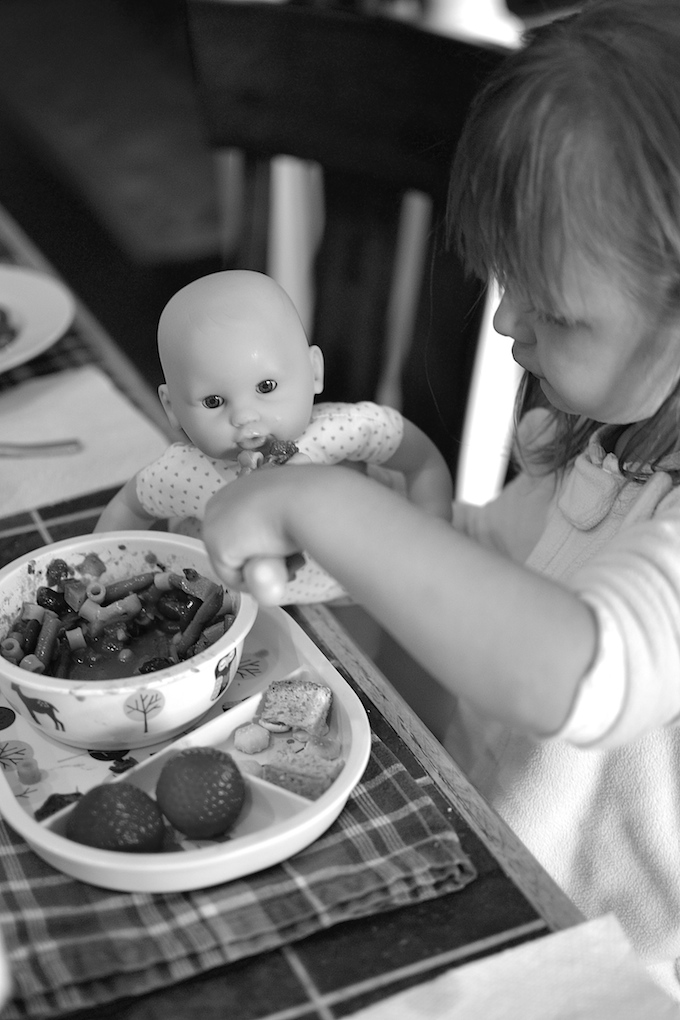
(118, 640)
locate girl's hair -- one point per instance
(574, 144)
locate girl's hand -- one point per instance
(266, 578)
(246, 534)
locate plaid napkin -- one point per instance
(73, 946)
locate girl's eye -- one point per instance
(212, 401)
(554, 320)
(266, 386)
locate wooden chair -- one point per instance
(379, 105)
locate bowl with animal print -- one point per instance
(118, 640)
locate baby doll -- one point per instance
(240, 381)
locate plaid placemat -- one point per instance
(73, 946)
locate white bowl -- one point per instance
(132, 711)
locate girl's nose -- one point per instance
(505, 316)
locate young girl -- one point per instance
(554, 612)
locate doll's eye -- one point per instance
(212, 401)
(266, 386)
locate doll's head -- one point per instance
(237, 365)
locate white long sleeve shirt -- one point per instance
(599, 805)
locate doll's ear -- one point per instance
(316, 357)
(167, 406)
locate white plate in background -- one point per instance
(39, 305)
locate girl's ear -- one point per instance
(167, 406)
(316, 358)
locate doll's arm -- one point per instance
(125, 512)
(428, 479)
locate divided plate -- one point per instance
(274, 824)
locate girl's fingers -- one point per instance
(229, 575)
(265, 579)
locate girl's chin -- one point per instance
(555, 399)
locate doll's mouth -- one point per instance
(252, 442)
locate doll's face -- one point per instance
(237, 365)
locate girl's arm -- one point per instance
(125, 512)
(512, 642)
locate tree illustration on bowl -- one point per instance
(143, 705)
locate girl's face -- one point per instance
(600, 354)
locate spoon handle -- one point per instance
(62, 446)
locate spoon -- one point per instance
(55, 449)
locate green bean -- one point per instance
(63, 663)
(47, 638)
(30, 635)
(204, 615)
(118, 589)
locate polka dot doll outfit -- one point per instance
(180, 483)
(363, 432)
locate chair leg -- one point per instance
(295, 230)
(409, 266)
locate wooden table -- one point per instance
(338, 971)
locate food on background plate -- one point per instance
(9, 331)
(84, 628)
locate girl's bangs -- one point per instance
(526, 189)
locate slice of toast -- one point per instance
(292, 703)
(310, 779)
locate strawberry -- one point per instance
(117, 816)
(201, 792)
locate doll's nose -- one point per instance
(243, 414)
